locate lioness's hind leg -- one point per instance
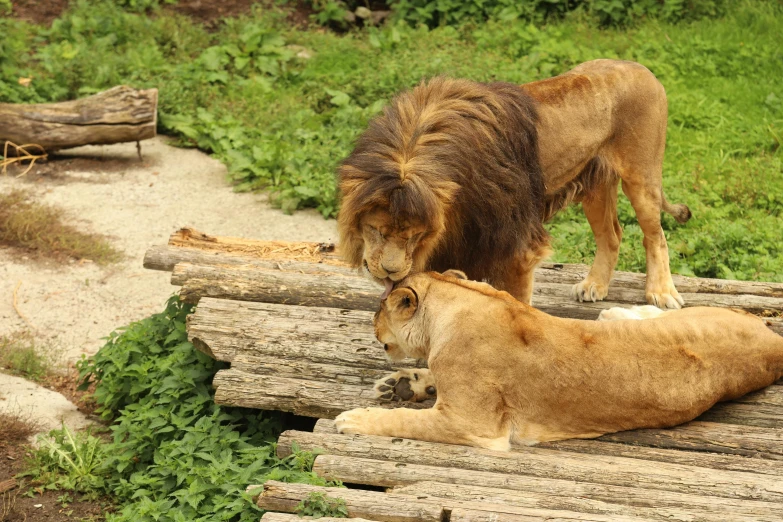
(413, 385)
(600, 207)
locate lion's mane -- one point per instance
(460, 157)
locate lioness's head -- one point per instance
(397, 325)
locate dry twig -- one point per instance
(21, 155)
(16, 305)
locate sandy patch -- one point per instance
(138, 204)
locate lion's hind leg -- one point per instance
(412, 385)
(600, 207)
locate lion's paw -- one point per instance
(618, 313)
(666, 300)
(406, 385)
(353, 421)
(589, 291)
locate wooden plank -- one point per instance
(531, 462)
(389, 474)
(729, 462)
(279, 496)
(478, 493)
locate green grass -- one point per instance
(282, 121)
(20, 355)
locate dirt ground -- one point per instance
(138, 204)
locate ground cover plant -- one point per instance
(21, 355)
(281, 106)
(171, 454)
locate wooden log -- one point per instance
(252, 282)
(389, 474)
(279, 496)
(197, 242)
(699, 457)
(301, 397)
(540, 463)
(285, 517)
(750, 441)
(120, 114)
(7, 485)
(478, 493)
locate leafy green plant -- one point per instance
(318, 505)
(70, 461)
(143, 5)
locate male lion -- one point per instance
(459, 174)
(505, 371)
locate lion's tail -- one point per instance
(678, 211)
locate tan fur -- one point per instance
(505, 371)
(601, 123)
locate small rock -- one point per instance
(37, 505)
(363, 13)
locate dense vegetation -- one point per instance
(281, 106)
(174, 455)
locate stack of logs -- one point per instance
(295, 324)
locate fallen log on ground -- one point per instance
(118, 115)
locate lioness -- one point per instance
(505, 371)
(459, 174)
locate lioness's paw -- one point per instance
(354, 421)
(589, 291)
(406, 385)
(670, 299)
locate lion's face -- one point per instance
(398, 326)
(395, 326)
(390, 252)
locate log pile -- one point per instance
(295, 324)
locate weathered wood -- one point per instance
(117, 115)
(703, 459)
(542, 463)
(390, 474)
(563, 273)
(751, 441)
(285, 517)
(252, 282)
(478, 493)
(278, 496)
(302, 397)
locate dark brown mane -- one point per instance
(459, 156)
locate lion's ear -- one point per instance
(458, 274)
(403, 302)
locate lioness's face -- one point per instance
(389, 249)
(394, 326)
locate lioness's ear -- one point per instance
(403, 301)
(459, 274)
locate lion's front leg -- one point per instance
(431, 425)
(412, 385)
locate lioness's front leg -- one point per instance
(431, 425)
(412, 385)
